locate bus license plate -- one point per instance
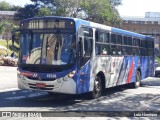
(40, 85)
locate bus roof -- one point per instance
(80, 22)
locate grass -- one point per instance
(10, 48)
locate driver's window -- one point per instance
(86, 35)
(87, 47)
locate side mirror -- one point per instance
(14, 37)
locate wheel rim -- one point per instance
(137, 83)
(97, 88)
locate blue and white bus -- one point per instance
(74, 56)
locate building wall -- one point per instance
(144, 27)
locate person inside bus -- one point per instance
(104, 51)
(117, 50)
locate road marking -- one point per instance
(8, 90)
(15, 98)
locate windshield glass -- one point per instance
(48, 48)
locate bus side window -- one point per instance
(116, 50)
(102, 49)
(127, 50)
(136, 51)
(113, 38)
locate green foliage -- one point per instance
(27, 12)
(115, 3)
(101, 11)
(10, 49)
(44, 11)
(5, 6)
(158, 59)
(6, 28)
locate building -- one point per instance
(148, 25)
(7, 15)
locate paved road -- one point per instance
(115, 99)
(8, 77)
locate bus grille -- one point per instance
(47, 87)
(44, 79)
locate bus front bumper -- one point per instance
(60, 85)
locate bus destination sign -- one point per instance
(47, 24)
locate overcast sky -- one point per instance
(138, 7)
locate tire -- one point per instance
(137, 82)
(156, 75)
(51, 93)
(97, 89)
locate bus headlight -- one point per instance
(20, 75)
(70, 75)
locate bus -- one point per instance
(75, 56)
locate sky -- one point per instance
(128, 7)
(18, 2)
(138, 7)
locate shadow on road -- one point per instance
(114, 99)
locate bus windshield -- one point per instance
(56, 48)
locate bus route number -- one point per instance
(51, 76)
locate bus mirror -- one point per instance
(15, 35)
(13, 39)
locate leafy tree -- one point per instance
(101, 11)
(15, 8)
(115, 3)
(27, 12)
(44, 11)
(6, 28)
(4, 6)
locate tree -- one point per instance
(101, 11)
(115, 3)
(44, 11)
(27, 12)
(6, 28)
(4, 6)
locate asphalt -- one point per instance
(153, 104)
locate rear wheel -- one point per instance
(53, 94)
(137, 82)
(156, 74)
(97, 90)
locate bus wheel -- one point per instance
(137, 82)
(97, 90)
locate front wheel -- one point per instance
(97, 90)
